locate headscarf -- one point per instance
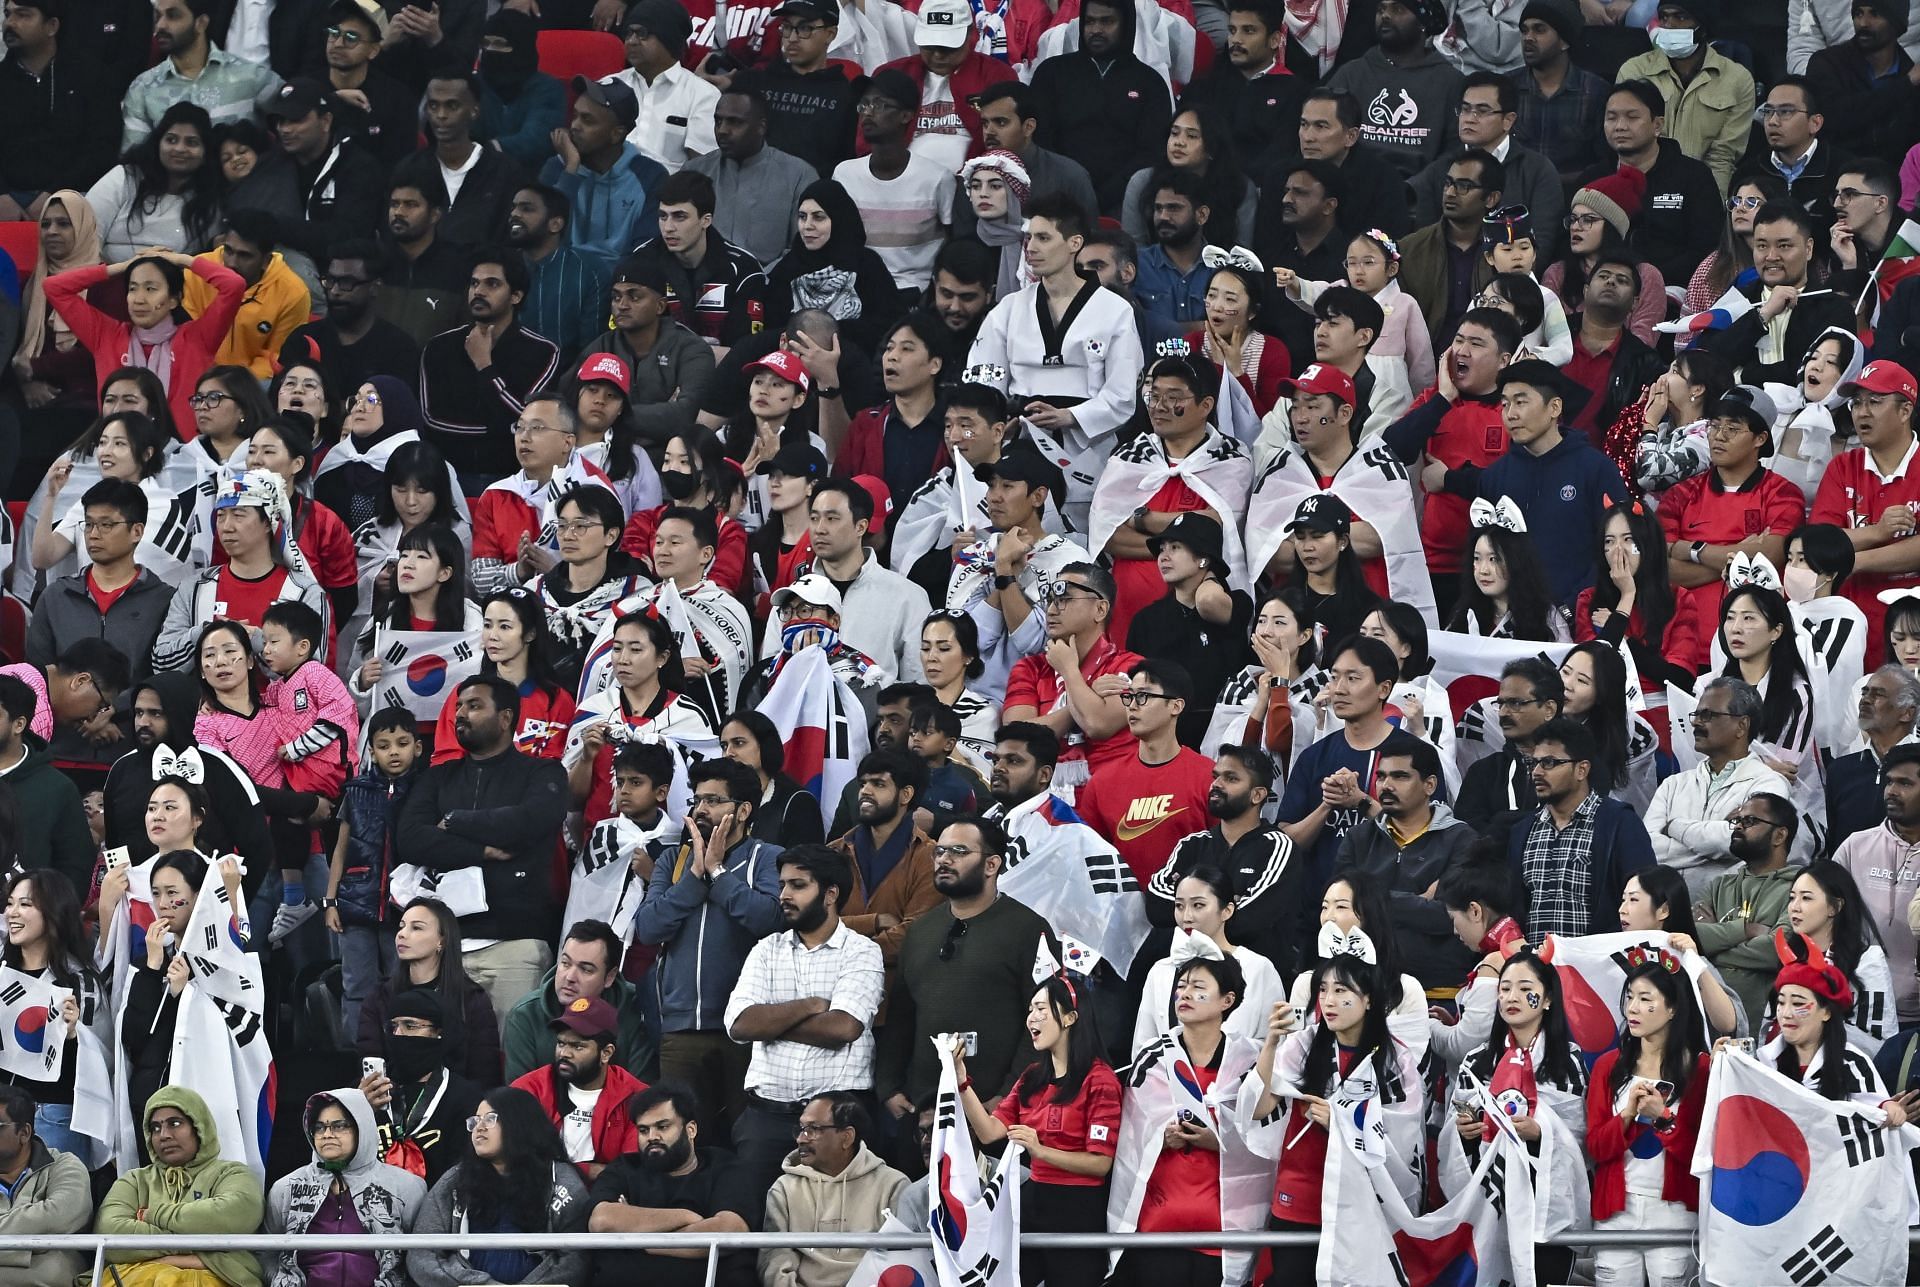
(506, 70)
(1006, 231)
(39, 323)
(844, 244)
(399, 409)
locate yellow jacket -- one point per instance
(1710, 116)
(273, 307)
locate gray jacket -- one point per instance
(755, 199)
(54, 1197)
(1428, 949)
(192, 608)
(566, 1213)
(67, 613)
(704, 930)
(669, 383)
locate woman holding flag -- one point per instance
(1064, 1110)
(643, 703)
(429, 593)
(44, 939)
(1811, 1001)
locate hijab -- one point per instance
(39, 324)
(844, 243)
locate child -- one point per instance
(1373, 266)
(315, 724)
(1507, 241)
(356, 906)
(953, 789)
(642, 830)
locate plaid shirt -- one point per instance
(1565, 128)
(1557, 864)
(848, 972)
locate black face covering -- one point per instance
(506, 70)
(678, 483)
(411, 1058)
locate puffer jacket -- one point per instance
(804, 1200)
(385, 1199)
(370, 804)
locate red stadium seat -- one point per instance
(566, 54)
(1203, 53)
(20, 238)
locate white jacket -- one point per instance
(1687, 820)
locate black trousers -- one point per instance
(1063, 1208)
(1293, 1265)
(1167, 1267)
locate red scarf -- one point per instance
(1513, 1088)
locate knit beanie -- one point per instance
(1617, 198)
(1562, 15)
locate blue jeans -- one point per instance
(367, 960)
(53, 1123)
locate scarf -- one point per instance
(150, 348)
(1513, 1088)
(39, 323)
(1317, 25)
(829, 289)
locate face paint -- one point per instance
(1800, 1011)
(1533, 1000)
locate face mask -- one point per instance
(677, 483)
(1799, 583)
(1674, 42)
(411, 1058)
(805, 632)
(505, 68)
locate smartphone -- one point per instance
(972, 1043)
(1188, 1115)
(118, 857)
(372, 1066)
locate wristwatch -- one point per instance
(1693, 551)
(326, 903)
(1001, 581)
(827, 391)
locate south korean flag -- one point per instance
(975, 1222)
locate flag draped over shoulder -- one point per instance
(605, 886)
(1219, 471)
(420, 668)
(1795, 1187)
(1065, 871)
(1562, 1193)
(821, 725)
(975, 1222)
(1468, 666)
(33, 1036)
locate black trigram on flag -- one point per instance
(462, 650)
(1494, 1185)
(12, 993)
(1864, 1141)
(982, 1273)
(943, 1114)
(1399, 1270)
(395, 654)
(1109, 875)
(1816, 1262)
(175, 531)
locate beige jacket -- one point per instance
(804, 1200)
(1710, 116)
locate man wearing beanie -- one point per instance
(1560, 104)
(1669, 232)
(423, 1106)
(1407, 91)
(1709, 97)
(676, 106)
(1866, 83)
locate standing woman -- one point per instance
(1825, 907)
(157, 335)
(1643, 1117)
(54, 369)
(1595, 677)
(1503, 590)
(44, 938)
(1811, 1001)
(1269, 704)
(830, 266)
(1655, 898)
(1064, 1110)
(1236, 299)
(1203, 904)
(949, 657)
(515, 645)
(284, 446)
(429, 593)
(426, 944)
(165, 192)
(786, 814)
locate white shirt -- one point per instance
(676, 115)
(576, 1128)
(939, 134)
(247, 33)
(456, 179)
(849, 972)
(906, 216)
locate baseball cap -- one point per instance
(607, 367)
(821, 10)
(1022, 463)
(1323, 512)
(588, 1016)
(615, 95)
(1201, 536)
(811, 588)
(1749, 403)
(787, 366)
(641, 270)
(796, 458)
(876, 488)
(295, 100)
(365, 10)
(944, 24)
(1882, 377)
(1322, 378)
(666, 19)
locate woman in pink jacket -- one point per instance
(158, 336)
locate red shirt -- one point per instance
(324, 539)
(1137, 582)
(1033, 683)
(1852, 494)
(1296, 1186)
(105, 599)
(1087, 1123)
(544, 720)
(1609, 1138)
(1700, 509)
(1470, 433)
(1591, 371)
(1144, 810)
(1183, 1192)
(729, 570)
(238, 599)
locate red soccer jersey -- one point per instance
(500, 519)
(238, 599)
(1296, 1185)
(1087, 1123)
(1183, 1192)
(1700, 509)
(1854, 494)
(1145, 809)
(1033, 683)
(542, 732)
(1471, 433)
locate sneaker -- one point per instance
(289, 917)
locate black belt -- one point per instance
(785, 1108)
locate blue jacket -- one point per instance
(1620, 848)
(524, 125)
(370, 804)
(1563, 495)
(612, 212)
(704, 930)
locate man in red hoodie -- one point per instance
(583, 1090)
(950, 74)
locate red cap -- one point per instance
(874, 487)
(1883, 377)
(588, 1016)
(607, 367)
(1322, 378)
(783, 364)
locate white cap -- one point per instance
(944, 24)
(811, 588)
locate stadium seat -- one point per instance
(20, 238)
(566, 54)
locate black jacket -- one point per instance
(1739, 343)
(511, 801)
(1876, 118)
(1635, 366)
(1421, 928)
(47, 808)
(1112, 118)
(1812, 189)
(425, 296)
(789, 817)
(344, 196)
(62, 130)
(1670, 232)
(1897, 337)
(1270, 883)
(470, 414)
(384, 350)
(478, 216)
(1263, 113)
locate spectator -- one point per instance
(1864, 199)
(510, 839)
(358, 902)
(45, 800)
(810, 96)
(1868, 490)
(1257, 98)
(711, 283)
(787, 814)
(606, 178)
(832, 1182)
(1858, 79)
(1675, 180)
(1656, 899)
(192, 69)
(1197, 605)
(49, 944)
(345, 1189)
(426, 274)
(1736, 918)
(1784, 244)
(353, 340)
(1688, 819)
(1889, 707)
(671, 366)
(1326, 795)
(186, 1189)
(422, 1102)
(276, 300)
(480, 181)
(882, 609)
(673, 1184)
(1203, 911)
(165, 191)
(1009, 122)
(674, 123)
(520, 105)
(1100, 105)
(1707, 94)
(755, 184)
(1405, 68)
(911, 194)
(1610, 364)
(588, 967)
(323, 187)
(1438, 267)
(515, 523)
(584, 1092)
(902, 440)
(1881, 861)
(806, 1001)
(647, 699)
(1487, 116)
(47, 1192)
(1791, 123)
(1146, 803)
(63, 134)
(705, 910)
(387, 122)
(890, 856)
(566, 287)
(1575, 854)
(1172, 282)
(1073, 686)
(513, 1177)
(1561, 104)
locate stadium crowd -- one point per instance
(600, 599)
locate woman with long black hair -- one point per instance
(1825, 907)
(1269, 704)
(1503, 588)
(426, 948)
(1760, 640)
(516, 645)
(1655, 898)
(165, 192)
(1198, 143)
(1064, 1110)
(284, 446)
(644, 700)
(1631, 601)
(1811, 1001)
(45, 939)
(429, 593)
(607, 433)
(786, 814)
(415, 489)
(1594, 675)
(1327, 570)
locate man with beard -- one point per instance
(566, 289)
(1009, 120)
(1687, 818)
(424, 273)
(476, 381)
(191, 69)
(1271, 902)
(1298, 224)
(705, 908)
(890, 859)
(1734, 922)
(480, 180)
(46, 804)
(1173, 282)
(1111, 257)
(806, 1000)
(1865, 85)
(1406, 848)
(47, 1192)
(353, 342)
(1252, 89)
(892, 715)
(1496, 788)
(1101, 105)
(423, 1107)
(1760, 344)
(965, 966)
(1882, 861)
(499, 810)
(594, 1126)
(1441, 265)
(63, 127)
(672, 367)
(1408, 89)
(964, 275)
(1560, 104)
(755, 185)
(1610, 363)
(673, 1184)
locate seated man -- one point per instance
(589, 967)
(186, 1189)
(43, 1191)
(831, 1183)
(1689, 819)
(1734, 921)
(594, 1128)
(672, 1185)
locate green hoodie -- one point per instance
(208, 1195)
(1748, 964)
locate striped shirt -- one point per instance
(566, 298)
(906, 216)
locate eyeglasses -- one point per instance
(330, 282)
(1061, 591)
(1843, 195)
(1157, 402)
(1137, 697)
(1452, 184)
(1778, 111)
(872, 104)
(208, 401)
(1867, 401)
(531, 427)
(1517, 703)
(1489, 300)
(811, 1129)
(168, 1125)
(103, 524)
(576, 526)
(1547, 762)
(714, 800)
(1581, 220)
(953, 851)
(1479, 111)
(1700, 716)
(802, 30)
(955, 932)
(1743, 203)
(332, 1128)
(478, 1120)
(366, 400)
(1745, 820)
(638, 32)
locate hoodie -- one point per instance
(206, 1196)
(804, 1200)
(379, 1199)
(1429, 950)
(1406, 105)
(612, 212)
(1563, 492)
(1111, 116)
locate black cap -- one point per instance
(615, 95)
(295, 100)
(419, 1003)
(896, 86)
(1021, 462)
(666, 19)
(796, 458)
(641, 270)
(820, 10)
(1323, 512)
(1199, 534)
